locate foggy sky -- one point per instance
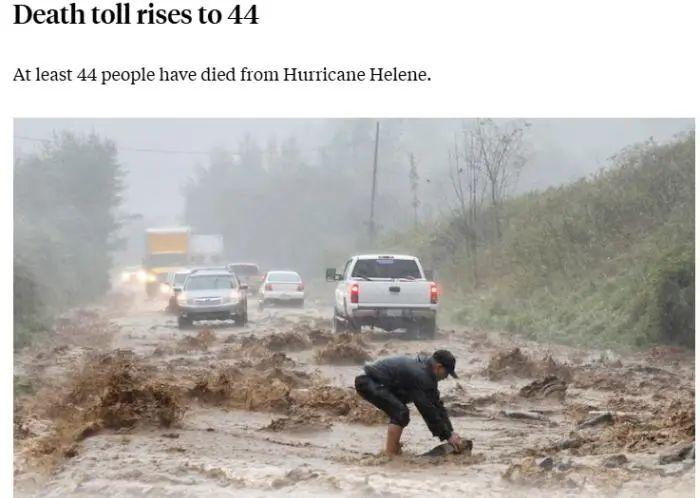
(562, 150)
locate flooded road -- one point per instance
(123, 403)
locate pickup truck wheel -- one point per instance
(337, 325)
(183, 322)
(427, 329)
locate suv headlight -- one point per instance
(182, 298)
(233, 297)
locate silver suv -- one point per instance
(212, 295)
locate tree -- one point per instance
(500, 152)
(467, 180)
(67, 200)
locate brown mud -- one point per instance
(515, 363)
(122, 402)
(343, 349)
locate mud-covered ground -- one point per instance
(120, 402)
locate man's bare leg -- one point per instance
(393, 438)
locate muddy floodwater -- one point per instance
(120, 402)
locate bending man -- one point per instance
(391, 383)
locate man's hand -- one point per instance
(456, 442)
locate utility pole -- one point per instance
(371, 226)
(414, 179)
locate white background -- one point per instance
(497, 58)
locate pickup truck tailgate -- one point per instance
(395, 293)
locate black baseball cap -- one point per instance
(447, 360)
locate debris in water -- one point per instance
(525, 416)
(287, 341)
(294, 476)
(615, 461)
(515, 363)
(298, 424)
(605, 418)
(201, 341)
(255, 346)
(275, 360)
(549, 387)
(566, 444)
(110, 391)
(344, 349)
(337, 401)
(320, 337)
(678, 454)
(547, 463)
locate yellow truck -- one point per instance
(167, 250)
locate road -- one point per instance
(123, 403)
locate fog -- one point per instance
(160, 157)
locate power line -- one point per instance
(133, 149)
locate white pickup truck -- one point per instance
(386, 291)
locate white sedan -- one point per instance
(282, 287)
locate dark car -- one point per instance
(212, 295)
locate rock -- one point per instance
(447, 449)
(570, 443)
(440, 450)
(605, 418)
(615, 461)
(546, 463)
(678, 454)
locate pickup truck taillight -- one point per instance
(433, 293)
(354, 293)
(268, 287)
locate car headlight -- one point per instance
(233, 297)
(151, 278)
(142, 276)
(165, 288)
(125, 276)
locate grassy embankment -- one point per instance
(605, 262)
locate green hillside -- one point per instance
(607, 261)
